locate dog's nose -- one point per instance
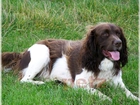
(118, 43)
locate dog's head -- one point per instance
(106, 40)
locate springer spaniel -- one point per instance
(87, 63)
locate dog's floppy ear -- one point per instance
(123, 52)
(90, 58)
(90, 39)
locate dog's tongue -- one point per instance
(115, 55)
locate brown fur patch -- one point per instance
(10, 59)
(25, 60)
(71, 49)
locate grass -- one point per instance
(26, 21)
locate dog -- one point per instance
(86, 63)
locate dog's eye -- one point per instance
(118, 34)
(105, 34)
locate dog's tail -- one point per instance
(10, 60)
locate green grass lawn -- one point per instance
(26, 21)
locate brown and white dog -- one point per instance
(87, 63)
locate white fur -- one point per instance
(107, 71)
(87, 77)
(106, 65)
(86, 80)
(60, 70)
(82, 79)
(40, 59)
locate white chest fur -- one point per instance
(87, 79)
(106, 65)
(106, 69)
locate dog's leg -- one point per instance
(39, 60)
(117, 81)
(98, 93)
(30, 74)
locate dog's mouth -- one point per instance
(113, 55)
